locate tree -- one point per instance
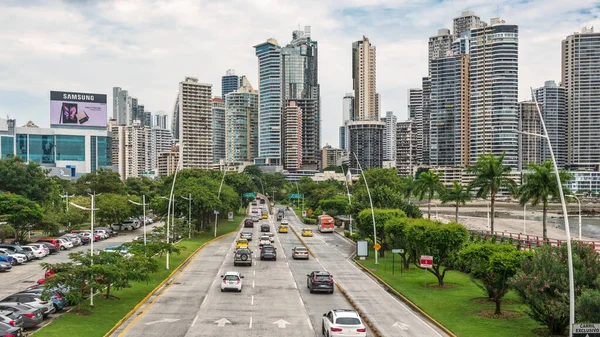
(6, 231)
(141, 186)
(543, 282)
(28, 180)
(491, 175)
(457, 194)
(442, 241)
(75, 278)
(334, 206)
(588, 306)
(408, 187)
(395, 234)
(115, 271)
(112, 208)
(101, 181)
(382, 216)
(20, 212)
(494, 264)
(429, 184)
(540, 186)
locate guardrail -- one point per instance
(527, 241)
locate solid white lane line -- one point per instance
(310, 324)
(252, 300)
(254, 272)
(250, 325)
(213, 283)
(195, 319)
(252, 283)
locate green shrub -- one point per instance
(347, 233)
(354, 236)
(309, 221)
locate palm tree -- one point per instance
(429, 183)
(539, 186)
(491, 175)
(458, 194)
(408, 186)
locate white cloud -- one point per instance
(148, 46)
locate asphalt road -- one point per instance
(22, 276)
(389, 315)
(274, 300)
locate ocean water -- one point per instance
(590, 226)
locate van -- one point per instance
(325, 224)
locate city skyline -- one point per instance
(57, 56)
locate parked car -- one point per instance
(58, 298)
(18, 258)
(11, 318)
(320, 281)
(9, 330)
(55, 242)
(268, 252)
(5, 266)
(76, 240)
(109, 230)
(343, 322)
(65, 244)
(18, 249)
(51, 248)
(300, 253)
(7, 259)
(34, 300)
(242, 256)
(103, 234)
(38, 251)
(32, 317)
(232, 280)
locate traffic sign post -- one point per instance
(586, 330)
(396, 251)
(377, 246)
(426, 261)
(230, 216)
(249, 195)
(304, 214)
(295, 196)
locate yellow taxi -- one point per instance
(241, 243)
(282, 229)
(307, 232)
(264, 216)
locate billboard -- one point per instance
(77, 109)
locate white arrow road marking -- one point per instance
(402, 326)
(164, 320)
(281, 323)
(221, 323)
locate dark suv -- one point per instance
(268, 252)
(320, 281)
(265, 228)
(242, 256)
(248, 223)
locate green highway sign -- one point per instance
(295, 196)
(249, 195)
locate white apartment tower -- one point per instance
(465, 22)
(195, 124)
(389, 136)
(364, 81)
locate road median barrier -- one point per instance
(179, 268)
(404, 299)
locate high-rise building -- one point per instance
(139, 113)
(122, 109)
(347, 115)
(175, 121)
(241, 125)
(270, 102)
(300, 83)
(529, 146)
(406, 147)
(389, 136)
(415, 103)
(195, 121)
(160, 119)
(332, 156)
(293, 136)
(449, 134)
(128, 149)
(168, 162)
(494, 88)
(218, 126)
(366, 144)
(158, 140)
(465, 22)
(343, 137)
(229, 83)
(440, 44)
(364, 81)
(580, 67)
(425, 125)
(552, 99)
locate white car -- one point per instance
(19, 258)
(103, 234)
(37, 251)
(232, 280)
(264, 240)
(271, 236)
(65, 243)
(34, 300)
(343, 323)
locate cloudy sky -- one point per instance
(148, 46)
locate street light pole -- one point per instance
(372, 210)
(92, 210)
(349, 199)
(579, 204)
(219, 198)
(143, 204)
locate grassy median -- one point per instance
(460, 306)
(106, 313)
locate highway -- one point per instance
(274, 300)
(22, 276)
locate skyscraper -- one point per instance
(270, 102)
(494, 87)
(218, 126)
(552, 99)
(465, 22)
(195, 124)
(158, 140)
(449, 132)
(300, 83)
(580, 66)
(347, 114)
(406, 146)
(229, 83)
(160, 119)
(529, 146)
(364, 81)
(122, 110)
(293, 136)
(241, 125)
(389, 136)
(440, 44)
(366, 144)
(415, 103)
(425, 124)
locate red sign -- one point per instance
(426, 261)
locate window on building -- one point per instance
(7, 148)
(70, 148)
(41, 149)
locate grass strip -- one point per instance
(106, 312)
(460, 305)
